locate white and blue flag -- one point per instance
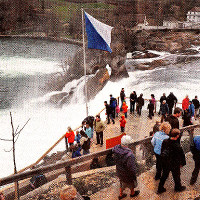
(98, 33)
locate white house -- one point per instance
(193, 15)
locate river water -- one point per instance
(24, 65)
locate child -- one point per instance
(117, 110)
(77, 137)
(122, 123)
(125, 109)
(76, 151)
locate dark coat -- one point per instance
(108, 109)
(125, 164)
(122, 95)
(173, 121)
(150, 107)
(176, 154)
(164, 109)
(140, 101)
(195, 148)
(133, 98)
(113, 102)
(187, 118)
(171, 100)
(162, 99)
(196, 103)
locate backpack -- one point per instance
(37, 181)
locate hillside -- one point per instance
(61, 18)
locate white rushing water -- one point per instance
(47, 123)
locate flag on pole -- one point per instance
(98, 33)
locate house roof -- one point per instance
(195, 9)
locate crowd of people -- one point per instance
(165, 138)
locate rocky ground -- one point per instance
(87, 184)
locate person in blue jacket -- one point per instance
(156, 141)
(195, 149)
(191, 108)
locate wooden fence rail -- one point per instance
(68, 164)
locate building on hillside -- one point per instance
(193, 15)
(173, 24)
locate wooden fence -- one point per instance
(146, 147)
(59, 140)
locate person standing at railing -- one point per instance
(140, 104)
(195, 149)
(122, 97)
(85, 142)
(196, 107)
(156, 141)
(185, 103)
(164, 110)
(133, 99)
(191, 109)
(125, 167)
(109, 113)
(173, 119)
(172, 160)
(150, 107)
(99, 128)
(89, 131)
(153, 100)
(69, 137)
(113, 104)
(171, 100)
(162, 98)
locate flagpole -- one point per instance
(84, 63)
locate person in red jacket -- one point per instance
(125, 109)
(185, 103)
(70, 136)
(122, 123)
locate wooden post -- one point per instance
(66, 144)
(68, 175)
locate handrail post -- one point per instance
(68, 175)
(66, 144)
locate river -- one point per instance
(24, 65)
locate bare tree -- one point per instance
(15, 136)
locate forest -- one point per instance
(59, 16)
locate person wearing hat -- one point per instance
(125, 167)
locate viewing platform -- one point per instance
(138, 127)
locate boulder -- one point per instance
(96, 83)
(55, 99)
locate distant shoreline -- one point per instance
(41, 37)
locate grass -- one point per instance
(65, 10)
